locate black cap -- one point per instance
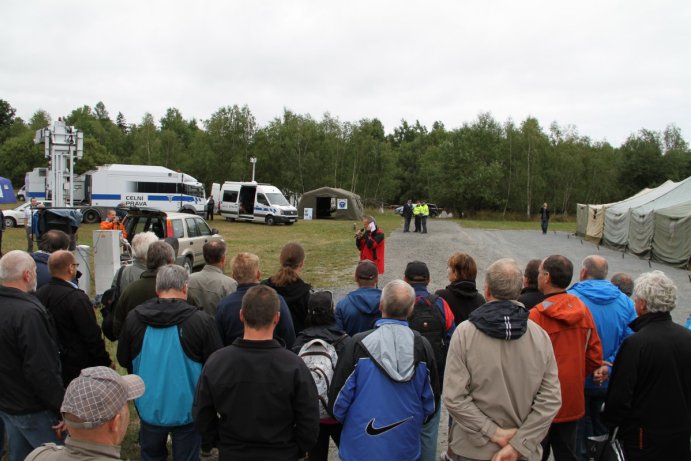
(320, 301)
(417, 271)
(366, 270)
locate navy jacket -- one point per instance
(358, 311)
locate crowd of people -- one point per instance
(271, 369)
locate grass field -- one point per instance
(329, 246)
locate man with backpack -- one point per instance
(166, 342)
(256, 397)
(433, 318)
(385, 385)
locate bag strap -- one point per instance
(120, 271)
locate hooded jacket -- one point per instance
(500, 372)
(384, 387)
(463, 298)
(372, 246)
(359, 310)
(296, 295)
(612, 312)
(332, 334)
(42, 273)
(166, 342)
(577, 347)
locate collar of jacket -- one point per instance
(554, 294)
(380, 322)
(263, 344)
(652, 317)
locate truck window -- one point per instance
(192, 230)
(261, 198)
(230, 196)
(178, 229)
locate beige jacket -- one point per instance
(74, 450)
(490, 383)
(208, 286)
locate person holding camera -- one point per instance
(370, 241)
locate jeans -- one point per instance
(186, 442)
(423, 224)
(591, 424)
(562, 439)
(544, 225)
(29, 239)
(26, 432)
(429, 436)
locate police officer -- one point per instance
(424, 213)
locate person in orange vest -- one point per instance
(113, 222)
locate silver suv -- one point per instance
(186, 232)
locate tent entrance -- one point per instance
(324, 208)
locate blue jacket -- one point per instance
(42, 273)
(228, 318)
(612, 312)
(358, 311)
(384, 388)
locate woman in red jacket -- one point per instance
(370, 241)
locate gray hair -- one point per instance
(596, 267)
(504, 279)
(397, 299)
(657, 290)
(141, 243)
(159, 254)
(14, 264)
(171, 277)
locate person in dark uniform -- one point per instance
(544, 217)
(210, 209)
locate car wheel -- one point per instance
(91, 217)
(187, 264)
(270, 220)
(9, 222)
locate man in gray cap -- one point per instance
(96, 413)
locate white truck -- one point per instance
(250, 201)
(134, 185)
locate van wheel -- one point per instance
(187, 264)
(91, 217)
(270, 220)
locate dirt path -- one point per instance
(486, 246)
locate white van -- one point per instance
(249, 201)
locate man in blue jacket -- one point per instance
(612, 312)
(385, 385)
(358, 311)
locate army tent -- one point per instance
(331, 203)
(672, 235)
(6, 191)
(590, 219)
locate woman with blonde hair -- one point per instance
(287, 283)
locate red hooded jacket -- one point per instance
(371, 246)
(577, 348)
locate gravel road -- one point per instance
(486, 246)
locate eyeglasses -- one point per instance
(74, 264)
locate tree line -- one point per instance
(482, 165)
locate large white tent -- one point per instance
(672, 235)
(590, 219)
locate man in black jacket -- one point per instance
(166, 341)
(32, 389)
(649, 394)
(256, 397)
(78, 333)
(407, 213)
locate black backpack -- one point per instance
(108, 301)
(427, 320)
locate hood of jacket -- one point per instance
(463, 289)
(40, 256)
(392, 345)
(563, 307)
(599, 291)
(291, 292)
(161, 313)
(328, 333)
(501, 319)
(366, 300)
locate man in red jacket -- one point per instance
(577, 348)
(370, 241)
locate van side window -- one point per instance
(192, 230)
(230, 196)
(261, 198)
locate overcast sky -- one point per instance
(609, 68)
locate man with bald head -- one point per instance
(499, 410)
(385, 385)
(30, 379)
(612, 312)
(79, 335)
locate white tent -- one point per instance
(590, 219)
(672, 235)
(617, 216)
(642, 218)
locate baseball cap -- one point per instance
(366, 270)
(320, 301)
(98, 394)
(417, 271)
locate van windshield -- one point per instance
(277, 199)
(193, 190)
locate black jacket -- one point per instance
(79, 336)
(329, 333)
(649, 393)
(29, 364)
(266, 400)
(463, 298)
(198, 334)
(297, 295)
(530, 297)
